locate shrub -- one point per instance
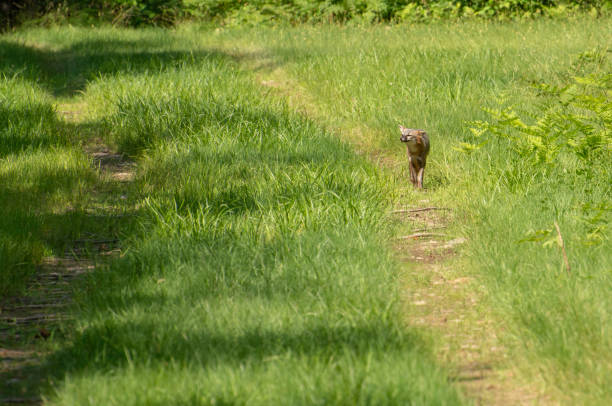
(576, 120)
(568, 140)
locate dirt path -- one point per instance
(43, 311)
(441, 298)
(437, 295)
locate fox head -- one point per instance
(411, 135)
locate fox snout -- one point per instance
(411, 134)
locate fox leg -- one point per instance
(420, 177)
(413, 173)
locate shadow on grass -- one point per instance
(45, 218)
(48, 192)
(66, 72)
(115, 344)
(27, 128)
(30, 208)
(49, 200)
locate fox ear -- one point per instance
(402, 128)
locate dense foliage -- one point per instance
(568, 141)
(167, 12)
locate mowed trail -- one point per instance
(437, 295)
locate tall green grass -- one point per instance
(258, 272)
(42, 180)
(364, 82)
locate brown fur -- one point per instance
(417, 143)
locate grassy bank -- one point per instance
(439, 77)
(258, 271)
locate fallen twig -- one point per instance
(30, 319)
(420, 235)
(418, 210)
(36, 306)
(562, 245)
(429, 228)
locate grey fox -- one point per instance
(418, 148)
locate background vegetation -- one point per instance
(168, 12)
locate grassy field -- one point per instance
(439, 77)
(256, 267)
(257, 271)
